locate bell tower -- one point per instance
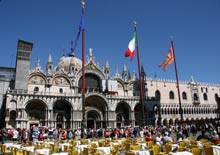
(22, 64)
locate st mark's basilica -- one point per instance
(51, 96)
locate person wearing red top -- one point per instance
(148, 137)
(64, 134)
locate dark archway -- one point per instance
(62, 111)
(36, 112)
(92, 83)
(93, 119)
(96, 110)
(12, 118)
(139, 116)
(123, 110)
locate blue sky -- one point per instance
(52, 24)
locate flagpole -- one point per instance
(177, 83)
(83, 124)
(140, 78)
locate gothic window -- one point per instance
(205, 97)
(157, 94)
(184, 96)
(216, 97)
(171, 95)
(61, 90)
(195, 97)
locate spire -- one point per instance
(142, 71)
(124, 72)
(38, 62)
(49, 59)
(49, 64)
(116, 72)
(38, 66)
(129, 75)
(90, 52)
(106, 64)
(192, 80)
(106, 70)
(125, 68)
(133, 75)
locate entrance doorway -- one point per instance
(90, 123)
(59, 126)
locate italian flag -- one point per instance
(131, 47)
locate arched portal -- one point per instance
(165, 122)
(36, 112)
(123, 113)
(12, 118)
(62, 113)
(96, 111)
(93, 119)
(138, 116)
(93, 83)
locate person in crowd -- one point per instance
(107, 133)
(3, 135)
(158, 138)
(166, 138)
(10, 133)
(35, 133)
(214, 134)
(64, 134)
(202, 136)
(15, 135)
(25, 135)
(179, 136)
(41, 136)
(148, 137)
(70, 134)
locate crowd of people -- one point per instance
(158, 134)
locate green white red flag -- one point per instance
(131, 47)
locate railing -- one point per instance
(70, 94)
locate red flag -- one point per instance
(169, 59)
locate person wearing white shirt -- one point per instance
(15, 135)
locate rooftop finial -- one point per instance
(171, 37)
(49, 59)
(90, 52)
(83, 3)
(135, 23)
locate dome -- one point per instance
(69, 63)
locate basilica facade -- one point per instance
(53, 97)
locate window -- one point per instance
(195, 97)
(205, 97)
(184, 96)
(171, 95)
(157, 95)
(36, 89)
(216, 97)
(61, 90)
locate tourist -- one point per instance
(202, 136)
(15, 135)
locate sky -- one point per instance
(51, 25)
